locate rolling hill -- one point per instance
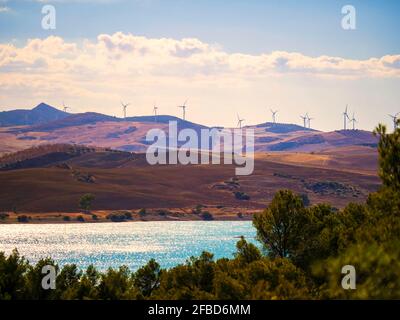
(52, 179)
(42, 113)
(99, 130)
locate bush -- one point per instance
(241, 195)
(80, 218)
(23, 218)
(119, 216)
(66, 218)
(207, 216)
(94, 217)
(128, 215)
(4, 216)
(163, 212)
(142, 212)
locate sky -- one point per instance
(226, 57)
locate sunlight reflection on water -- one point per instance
(132, 243)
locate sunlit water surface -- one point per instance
(133, 244)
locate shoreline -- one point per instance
(121, 216)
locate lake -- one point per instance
(132, 243)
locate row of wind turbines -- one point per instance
(155, 108)
(306, 118)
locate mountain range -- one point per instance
(44, 124)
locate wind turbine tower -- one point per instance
(239, 124)
(304, 120)
(353, 120)
(124, 106)
(65, 108)
(274, 115)
(309, 121)
(345, 117)
(155, 108)
(183, 110)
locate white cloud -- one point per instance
(4, 9)
(126, 54)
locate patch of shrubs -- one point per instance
(205, 215)
(120, 216)
(84, 177)
(80, 219)
(163, 212)
(241, 195)
(332, 187)
(23, 218)
(66, 218)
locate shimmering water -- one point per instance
(132, 244)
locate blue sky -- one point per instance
(254, 28)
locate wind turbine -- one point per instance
(345, 117)
(124, 106)
(354, 122)
(304, 120)
(155, 108)
(394, 120)
(239, 124)
(183, 109)
(65, 108)
(309, 121)
(274, 115)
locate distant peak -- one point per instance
(43, 106)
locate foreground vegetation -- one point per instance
(304, 250)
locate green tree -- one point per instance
(67, 282)
(117, 285)
(34, 276)
(88, 286)
(389, 157)
(246, 252)
(12, 276)
(279, 227)
(147, 278)
(85, 202)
